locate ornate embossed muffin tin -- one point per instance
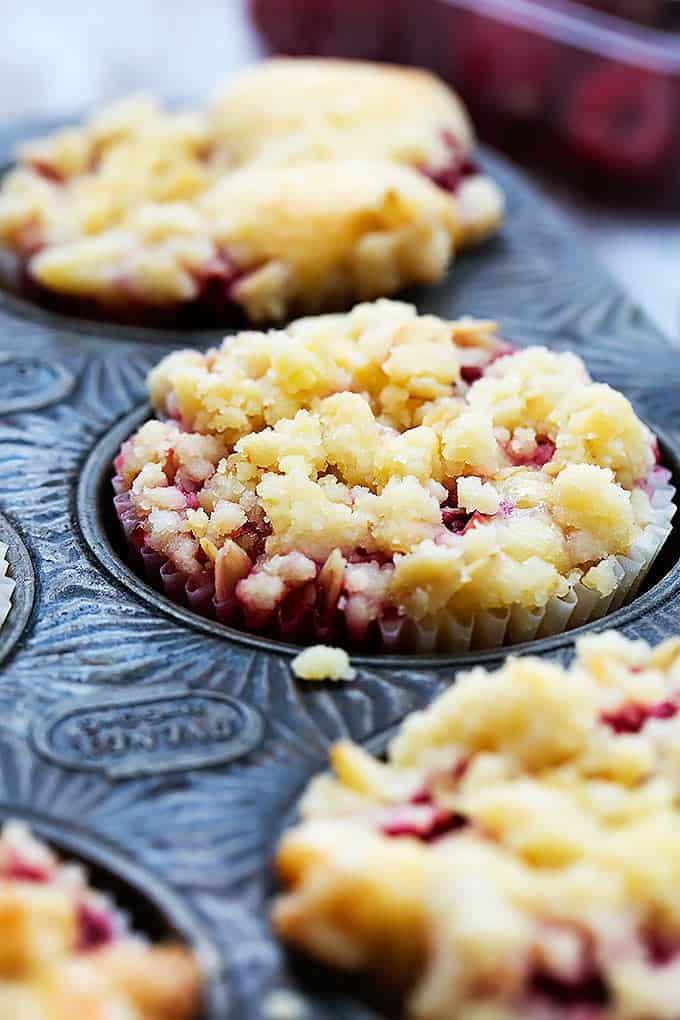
(169, 751)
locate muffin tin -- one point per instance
(170, 750)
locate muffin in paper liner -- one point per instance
(446, 633)
(7, 585)
(515, 854)
(389, 482)
(67, 950)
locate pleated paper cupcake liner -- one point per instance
(299, 618)
(487, 629)
(7, 585)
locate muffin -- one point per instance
(517, 854)
(7, 585)
(389, 481)
(65, 950)
(153, 215)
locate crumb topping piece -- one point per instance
(516, 853)
(322, 662)
(348, 453)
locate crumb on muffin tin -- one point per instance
(516, 855)
(323, 662)
(67, 951)
(142, 211)
(376, 478)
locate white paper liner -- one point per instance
(7, 585)
(487, 629)
(448, 632)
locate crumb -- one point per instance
(284, 1005)
(322, 662)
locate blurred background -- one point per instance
(589, 102)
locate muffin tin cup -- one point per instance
(179, 744)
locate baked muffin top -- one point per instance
(517, 852)
(424, 464)
(65, 951)
(287, 111)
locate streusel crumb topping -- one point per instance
(402, 462)
(517, 853)
(323, 662)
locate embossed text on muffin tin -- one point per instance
(170, 730)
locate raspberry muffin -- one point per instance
(6, 585)
(150, 215)
(387, 481)
(517, 854)
(65, 950)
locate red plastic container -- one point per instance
(592, 96)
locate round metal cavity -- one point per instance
(21, 571)
(100, 530)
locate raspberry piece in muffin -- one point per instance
(147, 215)
(515, 855)
(340, 482)
(65, 950)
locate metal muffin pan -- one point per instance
(171, 750)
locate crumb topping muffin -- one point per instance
(141, 210)
(516, 855)
(382, 478)
(66, 952)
